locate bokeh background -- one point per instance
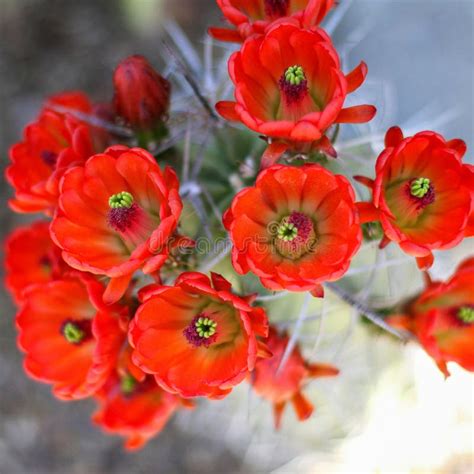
(390, 411)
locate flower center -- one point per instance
(466, 314)
(276, 7)
(201, 331)
(123, 211)
(293, 84)
(295, 235)
(422, 191)
(76, 332)
(128, 384)
(49, 157)
(119, 200)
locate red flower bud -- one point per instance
(142, 96)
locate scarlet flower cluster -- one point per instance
(112, 301)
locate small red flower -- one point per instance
(52, 144)
(295, 229)
(31, 257)
(289, 86)
(142, 96)
(70, 338)
(442, 318)
(197, 338)
(282, 385)
(255, 16)
(132, 405)
(116, 215)
(422, 193)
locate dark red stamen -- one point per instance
(49, 157)
(194, 338)
(122, 218)
(293, 93)
(276, 7)
(303, 224)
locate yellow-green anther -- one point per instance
(420, 187)
(205, 327)
(73, 333)
(287, 232)
(123, 199)
(294, 75)
(127, 384)
(466, 314)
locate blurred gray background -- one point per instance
(420, 57)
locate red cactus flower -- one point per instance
(142, 96)
(422, 193)
(442, 318)
(71, 339)
(197, 338)
(31, 257)
(132, 405)
(116, 215)
(295, 229)
(52, 144)
(289, 86)
(255, 16)
(282, 383)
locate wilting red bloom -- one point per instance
(52, 144)
(282, 383)
(142, 96)
(132, 405)
(31, 257)
(197, 338)
(442, 318)
(295, 229)
(421, 193)
(116, 215)
(71, 339)
(289, 86)
(255, 16)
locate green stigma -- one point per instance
(466, 314)
(119, 200)
(73, 333)
(419, 187)
(127, 384)
(287, 231)
(205, 327)
(294, 75)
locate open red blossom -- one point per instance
(142, 96)
(442, 318)
(132, 405)
(71, 339)
(197, 338)
(295, 229)
(52, 144)
(422, 193)
(289, 86)
(31, 257)
(282, 383)
(116, 215)
(255, 16)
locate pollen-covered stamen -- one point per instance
(420, 187)
(276, 7)
(119, 200)
(293, 84)
(466, 314)
(421, 190)
(295, 235)
(202, 331)
(128, 384)
(76, 332)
